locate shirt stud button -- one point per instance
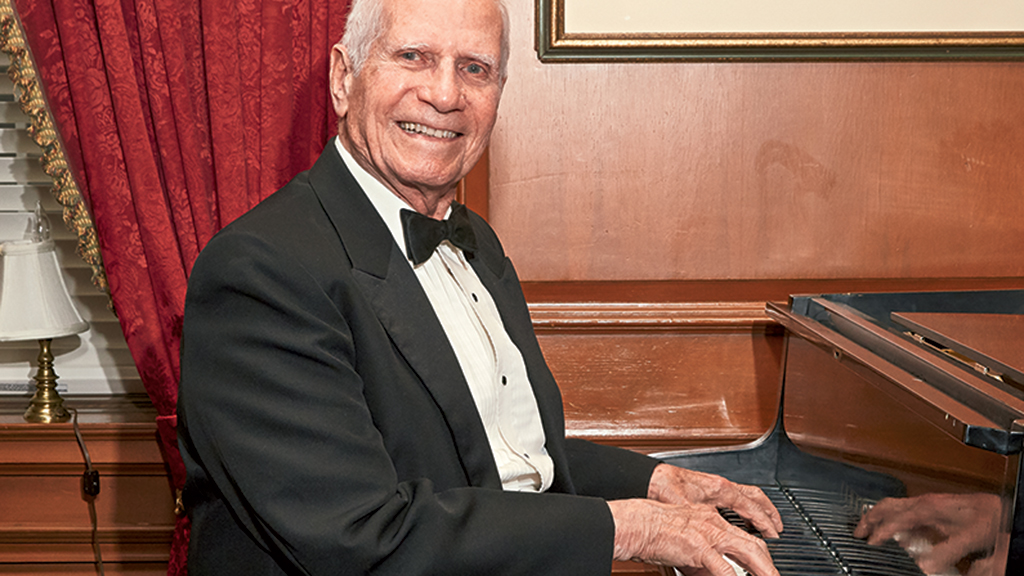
(504, 381)
(475, 299)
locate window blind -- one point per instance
(96, 361)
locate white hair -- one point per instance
(365, 24)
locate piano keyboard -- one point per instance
(818, 537)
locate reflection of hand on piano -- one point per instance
(938, 530)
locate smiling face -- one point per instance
(419, 113)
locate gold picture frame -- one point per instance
(556, 44)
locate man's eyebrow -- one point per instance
(487, 60)
(407, 47)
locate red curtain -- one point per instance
(177, 116)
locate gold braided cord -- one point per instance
(22, 73)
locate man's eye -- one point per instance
(475, 69)
(410, 56)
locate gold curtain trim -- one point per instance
(22, 73)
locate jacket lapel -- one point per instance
(389, 284)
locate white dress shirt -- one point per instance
(490, 361)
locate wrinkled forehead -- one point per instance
(466, 27)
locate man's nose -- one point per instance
(444, 89)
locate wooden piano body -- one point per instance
(939, 373)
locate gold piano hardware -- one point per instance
(966, 360)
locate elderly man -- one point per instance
(362, 391)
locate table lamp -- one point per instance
(35, 305)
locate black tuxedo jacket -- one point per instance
(325, 423)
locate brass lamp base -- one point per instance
(46, 405)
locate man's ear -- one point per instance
(340, 79)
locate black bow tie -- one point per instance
(423, 234)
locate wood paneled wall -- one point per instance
(714, 187)
(654, 377)
(711, 171)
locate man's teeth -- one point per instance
(426, 130)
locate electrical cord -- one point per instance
(90, 489)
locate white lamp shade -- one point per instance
(34, 300)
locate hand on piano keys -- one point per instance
(680, 525)
(675, 485)
(732, 563)
(693, 537)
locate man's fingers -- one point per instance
(752, 504)
(752, 557)
(764, 516)
(762, 500)
(675, 485)
(747, 550)
(714, 563)
(758, 567)
(685, 535)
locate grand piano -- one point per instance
(905, 406)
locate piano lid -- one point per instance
(870, 329)
(880, 305)
(894, 350)
(878, 432)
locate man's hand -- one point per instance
(679, 525)
(693, 537)
(674, 485)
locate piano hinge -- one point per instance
(949, 352)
